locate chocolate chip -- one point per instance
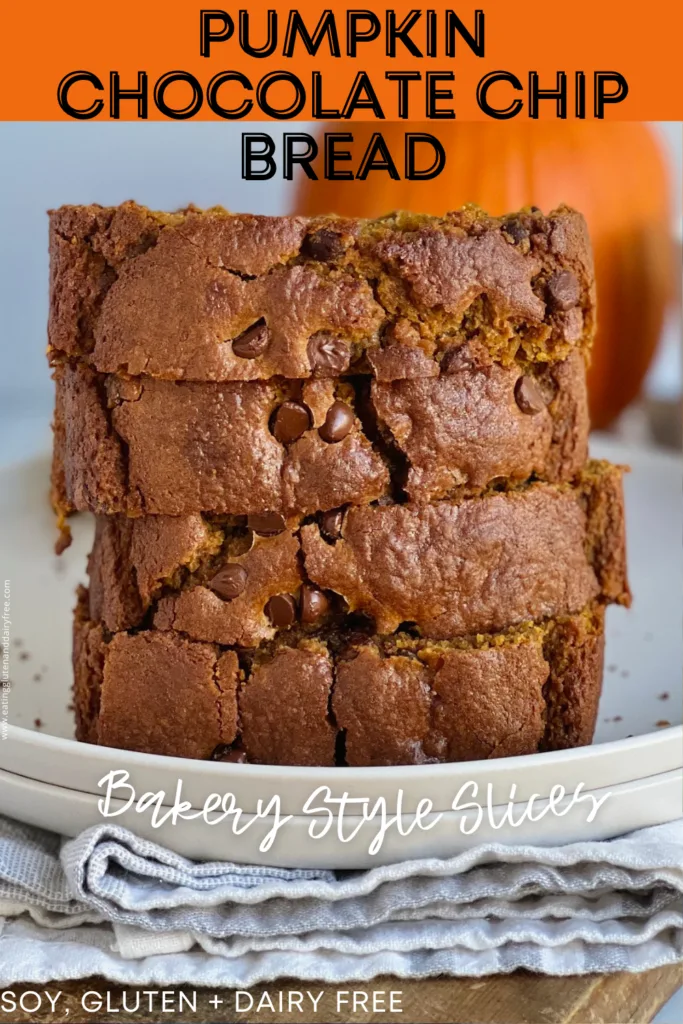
(313, 604)
(281, 610)
(563, 290)
(328, 355)
(331, 523)
(323, 245)
(230, 581)
(529, 396)
(253, 342)
(292, 419)
(338, 423)
(516, 230)
(266, 524)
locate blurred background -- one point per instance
(627, 178)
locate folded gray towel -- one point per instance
(110, 903)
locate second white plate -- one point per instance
(638, 735)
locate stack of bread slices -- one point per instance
(339, 470)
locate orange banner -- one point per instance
(166, 60)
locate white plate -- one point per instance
(642, 682)
(641, 803)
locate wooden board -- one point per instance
(519, 998)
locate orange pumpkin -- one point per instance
(612, 171)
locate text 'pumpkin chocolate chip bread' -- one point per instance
(344, 508)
